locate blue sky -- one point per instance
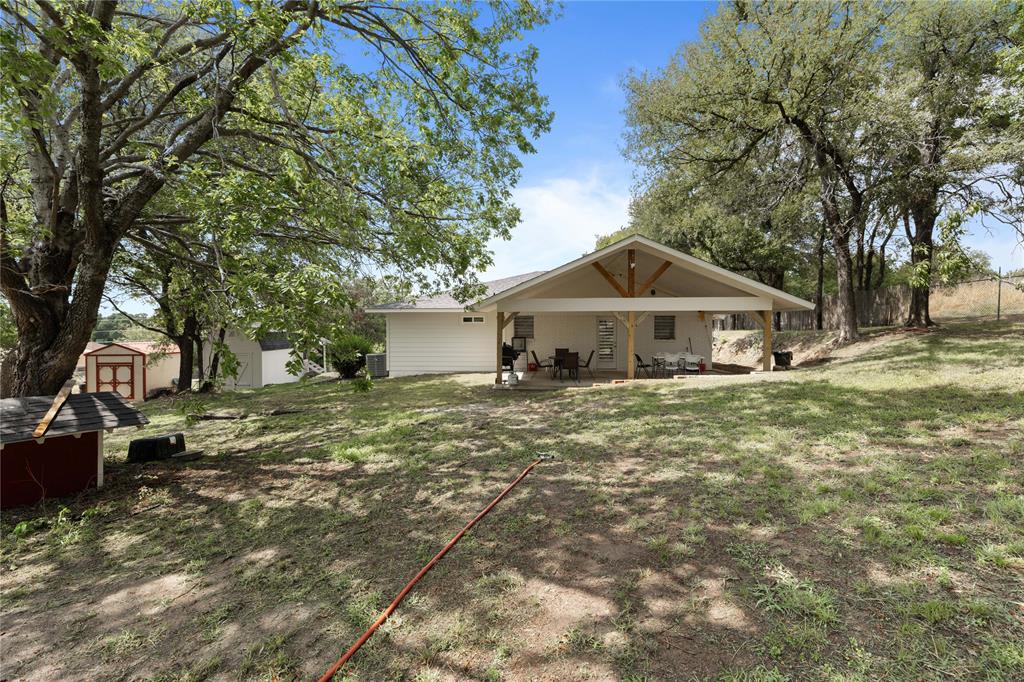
(577, 186)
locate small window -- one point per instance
(664, 327)
(472, 319)
(524, 326)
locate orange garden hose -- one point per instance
(423, 571)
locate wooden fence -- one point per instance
(890, 306)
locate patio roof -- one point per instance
(678, 276)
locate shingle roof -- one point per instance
(275, 341)
(82, 412)
(144, 347)
(448, 302)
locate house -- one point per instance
(260, 362)
(68, 457)
(133, 369)
(633, 298)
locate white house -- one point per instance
(633, 298)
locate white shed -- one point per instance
(133, 369)
(260, 363)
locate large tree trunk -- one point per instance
(846, 305)
(186, 359)
(201, 370)
(53, 326)
(819, 296)
(921, 253)
(211, 379)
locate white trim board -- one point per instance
(645, 304)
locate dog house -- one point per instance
(67, 457)
(131, 369)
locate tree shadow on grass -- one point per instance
(641, 550)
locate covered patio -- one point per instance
(635, 309)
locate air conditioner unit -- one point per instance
(377, 365)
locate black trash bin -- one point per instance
(156, 447)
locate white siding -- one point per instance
(162, 371)
(434, 343)
(578, 332)
(248, 354)
(275, 370)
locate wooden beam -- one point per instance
(654, 278)
(611, 279)
(511, 316)
(766, 350)
(642, 317)
(58, 402)
(700, 314)
(500, 328)
(631, 346)
(631, 271)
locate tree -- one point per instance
(763, 223)
(795, 76)
(944, 65)
(403, 160)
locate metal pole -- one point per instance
(999, 293)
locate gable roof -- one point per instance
(787, 301)
(144, 347)
(81, 413)
(511, 286)
(448, 303)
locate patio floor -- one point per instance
(542, 381)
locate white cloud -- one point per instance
(561, 220)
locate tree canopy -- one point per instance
(272, 149)
(881, 112)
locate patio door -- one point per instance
(606, 345)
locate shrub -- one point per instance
(348, 354)
(362, 382)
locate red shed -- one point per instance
(68, 458)
(131, 368)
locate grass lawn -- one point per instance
(859, 520)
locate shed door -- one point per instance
(245, 373)
(118, 377)
(606, 346)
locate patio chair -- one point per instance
(540, 365)
(673, 363)
(691, 364)
(642, 366)
(571, 364)
(586, 365)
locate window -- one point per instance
(472, 319)
(664, 327)
(524, 326)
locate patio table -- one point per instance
(556, 363)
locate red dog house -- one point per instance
(68, 457)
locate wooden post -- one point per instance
(500, 329)
(766, 351)
(630, 345)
